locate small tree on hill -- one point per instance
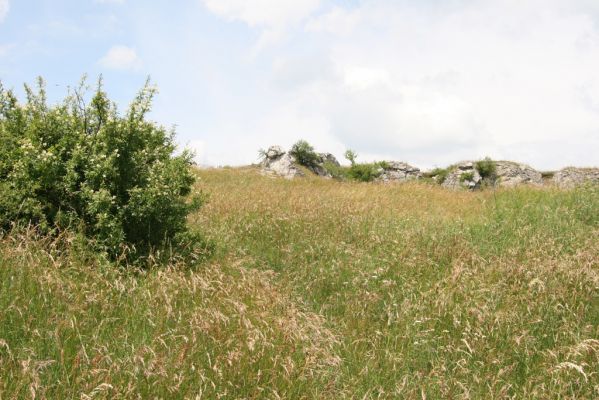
(304, 154)
(351, 156)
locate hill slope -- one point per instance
(321, 289)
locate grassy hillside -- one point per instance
(320, 290)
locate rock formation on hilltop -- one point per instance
(396, 171)
(328, 158)
(466, 174)
(463, 175)
(470, 175)
(511, 173)
(281, 163)
(571, 177)
(319, 168)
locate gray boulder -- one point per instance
(463, 175)
(510, 174)
(328, 158)
(396, 171)
(319, 169)
(571, 177)
(274, 152)
(276, 162)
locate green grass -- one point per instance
(320, 289)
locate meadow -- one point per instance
(319, 289)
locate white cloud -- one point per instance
(273, 17)
(505, 79)
(425, 82)
(338, 21)
(4, 7)
(357, 78)
(265, 13)
(121, 58)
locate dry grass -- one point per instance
(321, 289)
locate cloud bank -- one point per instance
(430, 84)
(272, 17)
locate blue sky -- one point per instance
(427, 82)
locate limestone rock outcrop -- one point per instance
(507, 174)
(571, 177)
(463, 175)
(323, 158)
(277, 162)
(280, 163)
(328, 158)
(511, 173)
(396, 171)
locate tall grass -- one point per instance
(320, 289)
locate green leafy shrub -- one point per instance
(81, 165)
(383, 164)
(439, 175)
(337, 171)
(350, 156)
(467, 176)
(364, 172)
(487, 170)
(304, 154)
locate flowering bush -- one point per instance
(84, 166)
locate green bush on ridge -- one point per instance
(366, 172)
(304, 154)
(487, 170)
(439, 175)
(338, 172)
(363, 172)
(81, 165)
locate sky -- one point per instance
(429, 82)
